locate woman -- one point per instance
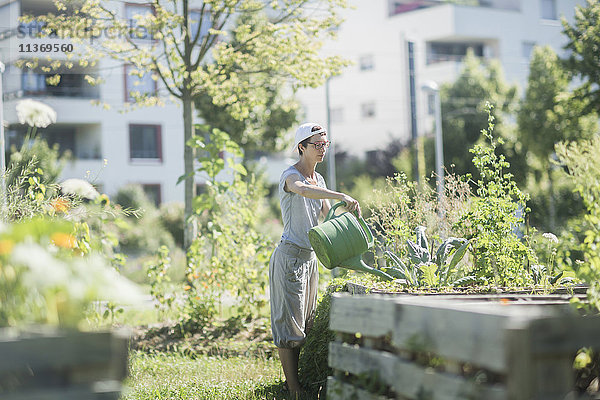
(293, 273)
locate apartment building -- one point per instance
(371, 99)
(369, 104)
(110, 148)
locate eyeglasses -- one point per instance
(320, 145)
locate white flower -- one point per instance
(43, 270)
(551, 237)
(107, 282)
(34, 113)
(80, 188)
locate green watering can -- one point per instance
(341, 240)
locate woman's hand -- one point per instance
(351, 204)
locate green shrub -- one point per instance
(132, 196)
(313, 366)
(171, 218)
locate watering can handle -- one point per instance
(331, 212)
(361, 221)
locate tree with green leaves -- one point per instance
(584, 47)
(549, 115)
(196, 48)
(463, 109)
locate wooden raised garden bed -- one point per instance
(507, 346)
(54, 365)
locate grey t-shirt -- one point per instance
(299, 213)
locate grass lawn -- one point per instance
(230, 359)
(178, 377)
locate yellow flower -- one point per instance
(187, 287)
(60, 204)
(6, 246)
(63, 240)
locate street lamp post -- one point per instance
(332, 184)
(433, 88)
(2, 152)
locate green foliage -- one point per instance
(583, 44)
(550, 114)
(45, 278)
(168, 376)
(313, 366)
(464, 110)
(30, 158)
(231, 256)
(581, 163)
(159, 279)
(263, 129)
(427, 267)
(238, 69)
(142, 229)
(132, 196)
(171, 218)
(496, 214)
(399, 208)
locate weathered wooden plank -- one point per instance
(55, 351)
(360, 361)
(109, 391)
(459, 335)
(407, 378)
(368, 315)
(338, 390)
(564, 334)
(520, 374)
(416, 382)
(53, 359)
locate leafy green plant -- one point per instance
(428, 267)
(45, 279)
(495, 216)
(159, 279)
(230, 257)
(402, 205)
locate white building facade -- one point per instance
(369, 104)
(110, 148)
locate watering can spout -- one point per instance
(357, 264)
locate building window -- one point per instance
(448, 51)
(32, 82)
(549, 9)
(527, 49)
(367, 110)
(337, 115)
(138, 86)
(366, 63)
(199, 21)
(152, 190)
(145, 142)
(133, 12)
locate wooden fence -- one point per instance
(49, 365)
(456, 347)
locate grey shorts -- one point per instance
(293, 285)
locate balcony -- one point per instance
(81, 141)
(29, 83)
(439, 52)
(396, 7)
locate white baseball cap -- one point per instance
(306, 130)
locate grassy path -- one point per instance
(172, 376)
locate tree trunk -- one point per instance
(190, 228)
